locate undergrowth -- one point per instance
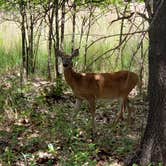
(37, 127)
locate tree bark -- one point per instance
(23, 35)
(31, 39)
(63, 23)
(73, 26)
(50, 19)
(23, 40)
(153, 144)
(56, 45)
(87, 35)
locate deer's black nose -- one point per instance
(65, 65)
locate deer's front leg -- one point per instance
(91, 101)
(77, 106)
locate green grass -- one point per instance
(10, 50)
(39, 130)
(9, 58)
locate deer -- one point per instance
(93, 86)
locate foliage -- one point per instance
(10, 55)
(37, 13)
(59, 86)
(49, 133)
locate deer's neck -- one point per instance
(70, 76)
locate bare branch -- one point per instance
(109, 36)
(122, 18)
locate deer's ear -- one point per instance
(60, 53)
(75, 53)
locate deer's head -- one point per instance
(67, 59)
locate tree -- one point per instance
(49, 10)
(153, 143)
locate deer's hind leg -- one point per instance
(123, 105)
(129, 109)
(126, 107)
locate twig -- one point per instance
(115, 35)
(122, 18)
(112, 49)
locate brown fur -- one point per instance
(101, 85)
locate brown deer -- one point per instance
(92, 86)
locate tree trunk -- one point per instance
(63, 23)
(73, 26)
(87, 35)
(23, 40)
(31, 53)
(50, 19)
(56, 45)
(153, 144)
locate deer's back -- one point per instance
(104, 85)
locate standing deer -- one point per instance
(92, 86)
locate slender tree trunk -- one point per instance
(23, 41)
(50, 18)
(121, 36)
(31, 53)
(49, 51)
(141, 68)
(63, 23)
(56, 45)
(82, 30)
(37, 45)
(23, 38)
(153, 144)
(87, 36)
(73, 27)
(27, 44)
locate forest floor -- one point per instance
(38, 127)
